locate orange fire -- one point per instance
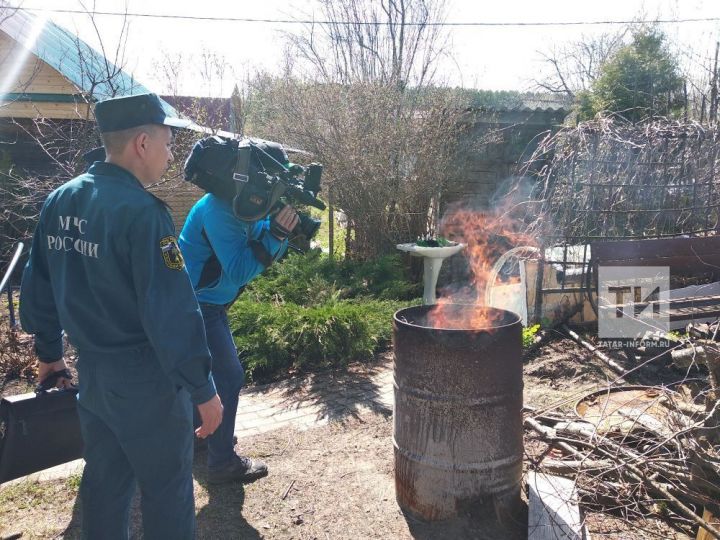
(486, 236)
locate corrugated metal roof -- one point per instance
(82, 65)
(528, 102)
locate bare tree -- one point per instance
(357, 94)
(574, 66)
(169, 68)
(701, 70)
(392, 42)
(104, 71)
(6, 10)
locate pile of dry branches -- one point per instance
(611, 179)
(17, 359)
(659, 456)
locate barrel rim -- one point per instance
(494, 328)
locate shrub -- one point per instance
(298, 279)
(312, 312)
(314, 278)
(273, 337)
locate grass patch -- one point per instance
(73, 482)
(34, 494)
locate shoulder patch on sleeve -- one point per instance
(171, 253)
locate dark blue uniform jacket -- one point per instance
(106, 268)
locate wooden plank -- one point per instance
(712, 520)
(44, 110)
(553, 510)
(701, 264)
(663, 247)
(34, 75)
(678, 309)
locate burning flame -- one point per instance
(486, 236)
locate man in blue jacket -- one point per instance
(105, 268)
(222, 255)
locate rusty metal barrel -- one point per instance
(457, 433)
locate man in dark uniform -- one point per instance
(105, 268)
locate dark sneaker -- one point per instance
(202, 444)
(240, 469)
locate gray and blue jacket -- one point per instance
(222, 253)
(105, 267)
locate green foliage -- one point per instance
(641, 80)
(584, 105)
(73, 482)
(314, 278)
(276, 336)
(529, 334)
(310, 311)
(676, 335)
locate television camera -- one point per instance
(256, 178)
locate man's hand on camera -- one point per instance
(282, 223)
(211, 415)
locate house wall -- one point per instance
(180, 196)
(30, 75)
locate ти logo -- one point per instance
(632, 300)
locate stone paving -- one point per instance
(315, 400)
(304, 402)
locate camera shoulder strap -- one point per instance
(211, 270)
(261, 253)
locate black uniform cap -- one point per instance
(128, 112)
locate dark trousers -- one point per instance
(229, 379)
(137, 429)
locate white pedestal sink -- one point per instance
(433, 259)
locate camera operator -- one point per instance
(222, 254)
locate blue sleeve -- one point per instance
(168, 308)
(230, 239)
(38, 312)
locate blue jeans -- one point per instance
(137, 429)
(229, 379)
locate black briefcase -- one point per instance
(37, 431)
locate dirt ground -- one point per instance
(336, 481)
(332, 482)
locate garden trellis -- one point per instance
(613, 180)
